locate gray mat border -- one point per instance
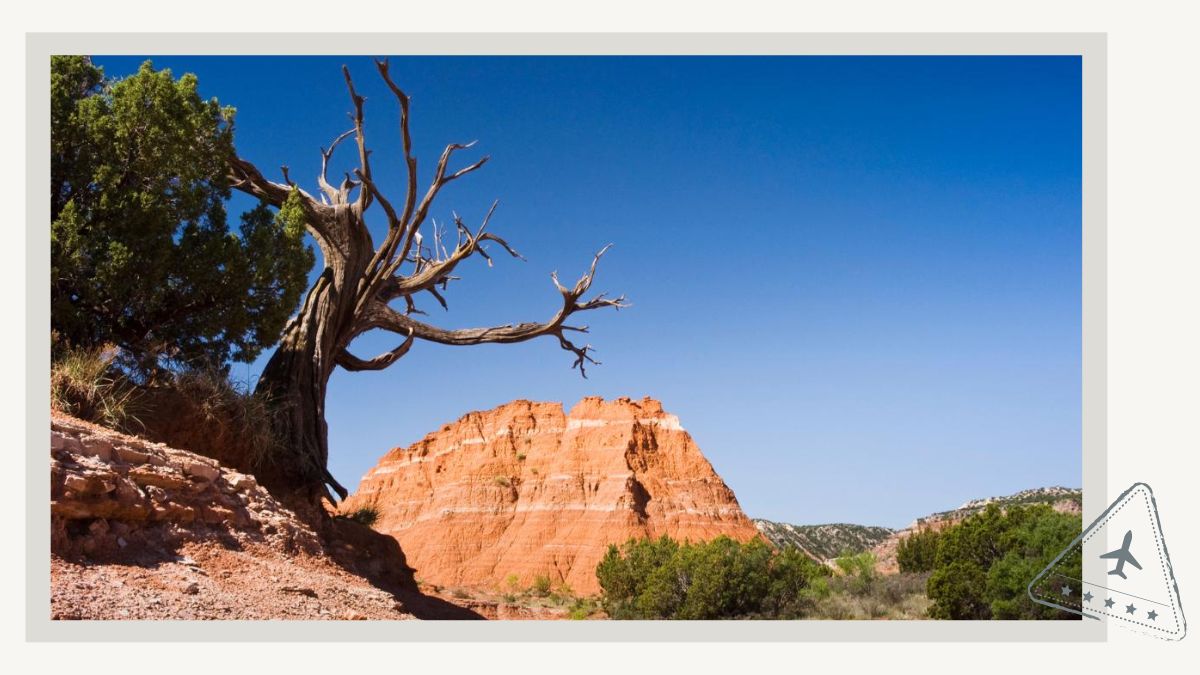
(1091, 46)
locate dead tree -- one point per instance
(365, 286)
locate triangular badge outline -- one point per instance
(1076, 546)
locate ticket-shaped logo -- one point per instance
(1127, 575)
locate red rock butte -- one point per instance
(528, 490)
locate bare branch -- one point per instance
(379, 315)
(428, 276)
(244, 176)
(398, 226)
(364, 164)
(334, 195)
(411, 306)
(488, 236)
(405, 226)
(411, 161)
(441, 301)
(387, 206)
(352, 363)
(439, 180)
(467, 169)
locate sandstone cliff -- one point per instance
(528, 490)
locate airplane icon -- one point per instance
(1122, 556)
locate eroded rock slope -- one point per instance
(527, 489)
(140, 530)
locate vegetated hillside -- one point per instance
(1062, 499)
(1045, 495)
(525, 491)
(824, 542)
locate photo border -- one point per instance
(1092, 47)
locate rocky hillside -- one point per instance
(1061, 496)
(1066, 500)
(824, 542)
(144, 531)
(525, 490)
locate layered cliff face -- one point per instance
(527, 490)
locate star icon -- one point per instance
(1087, 597)
(1066, 590)
(1152, 615)
(1108, 602)
(1130, 609)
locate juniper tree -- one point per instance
(141, 254)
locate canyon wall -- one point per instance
(527, 490)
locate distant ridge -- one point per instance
(1042, 495)
(824, 541)
(1064, 499)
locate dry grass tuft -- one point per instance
(86, 384)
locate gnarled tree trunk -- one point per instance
(294, 381)
(360, 282)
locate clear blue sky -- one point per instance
(855, 280)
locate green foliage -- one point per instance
(366, 515)
(858, 592)
(918, 552)
(984, 564)
(797, 584)
(563, 595)
(141, 255)
(541, 586)
(957, 591)
(663, 579)
(513, 582)
(582, 608)
(858, 570)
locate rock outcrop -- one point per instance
(109, 491)
(140, 530)
(501, 497)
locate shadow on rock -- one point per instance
(377, 558)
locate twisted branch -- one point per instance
(244, 176)
(364, 164)
(438, 272)
(381, 281)
(380, 315)
(352, 363)
(335, 196)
